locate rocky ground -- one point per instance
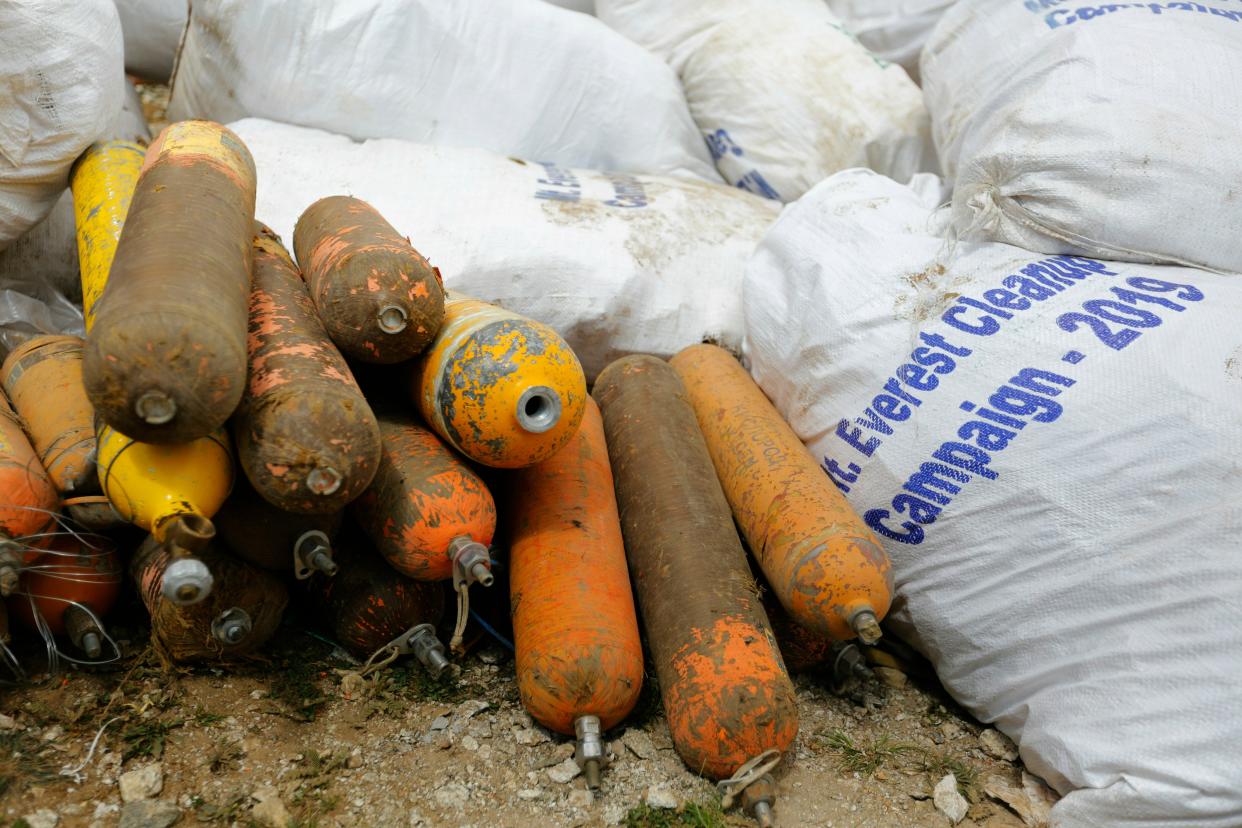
(299, 738)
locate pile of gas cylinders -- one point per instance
(210, 348)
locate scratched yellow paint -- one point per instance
(204, 140)
(148, 483)
(103, 183)
(481, 421)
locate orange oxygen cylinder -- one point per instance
(43, 379)
(28, 500)
(426, 508)
(730, 703)
(70, 587)
(579, 657)
(240, 615)
(826, 567)
(502, 389)
(378, 298)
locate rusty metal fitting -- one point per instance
(758, 799)
(392, 319)
(83, 631)
(323, 481)
(312, 553)
(590, 753)
(471, 562)
(232, 626)
(422, 642)
(866, 626)
(155, 407)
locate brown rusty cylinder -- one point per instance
(165, 359)
(801, 649)
(43, 379)
(369, 604)
(422, 500)
(239, 616)
(306, 437)
(726, 693)
(273, 539)
(379, 299)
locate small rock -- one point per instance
(491, 654)
(53, 733)
(149, 813)
(440, 723)
(564, 772)
(614, 813)
(452, 795)
(639, 743)
(102, 809)
(948, 801)
(141, 783)
(269, 811)
(355, 760)
(470, 707)
(893, 678)
(529, 794)
(42, 818)
(558, 754)
(951, 730)
(529, 736)
(661, 797)
(580, 798)
(7, 723)
(257, 694)
(997, 745)
(485, 753)
(1041, 796)
(469, 743)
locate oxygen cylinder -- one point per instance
(275, 540)
(71, 587)
(502, 389)
(103, 181)
(165, 359)
(824, 564)
(241, 614)
(579, 657)
(426, 511)
(726, 693)
(369, 606)
(28, 500)
(172, 492)
(306, 438)
(43, 379)
(380, 300)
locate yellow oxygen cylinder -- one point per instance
(504, 390)
(172, 491)
(103, 182)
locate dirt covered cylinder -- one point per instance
(28, 500)
(241, 614)
(504, 390)
(165, 356)
(103, 182)
(306, 437)
(368, 604)
(424, 501)
(43, 378)
(725, 690)
(825, 565)
(574, 625)
(379, 299)
(275, 540)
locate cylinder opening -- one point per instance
(392, 319)
(323, 481)
(155, 407)
(538, 409)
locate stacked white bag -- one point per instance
(517, 77)
(616, 263)
(61, 76)
(783, 93)
(1050, 447)
(892, 30)
(1105, 130)
(152, 31)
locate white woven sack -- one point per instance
(616, 263)
(782, 92)
(516, 77)
(61, 80)
(893, 30)
(1050, 447)
(1106, 130)
(152, 31)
